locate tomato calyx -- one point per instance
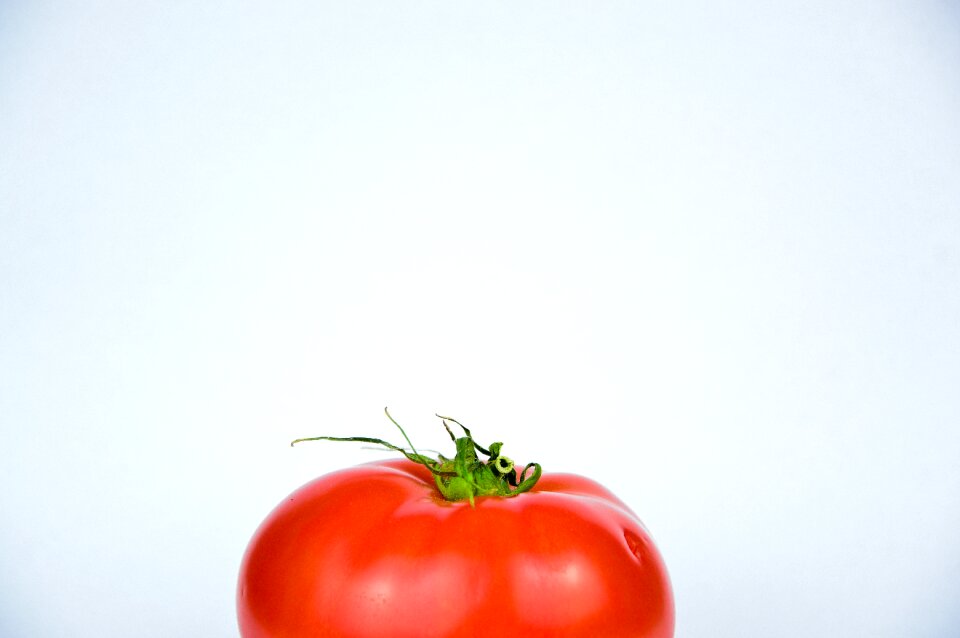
(465, 476)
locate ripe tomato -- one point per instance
(376, 551)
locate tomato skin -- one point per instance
(374, 551)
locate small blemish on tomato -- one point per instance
(635, 543)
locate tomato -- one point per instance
(377, 550)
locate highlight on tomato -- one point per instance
(423, 547)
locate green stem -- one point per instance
(465, 476)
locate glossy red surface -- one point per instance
(374, 551)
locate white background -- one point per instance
(707, 253)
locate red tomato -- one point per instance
(375, 551)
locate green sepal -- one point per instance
(465, 476)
